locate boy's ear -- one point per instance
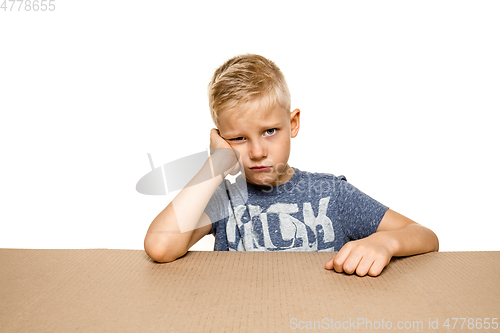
(295, 122)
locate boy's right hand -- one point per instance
(225, 160)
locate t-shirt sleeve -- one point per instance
(358, 213)
(216, 208)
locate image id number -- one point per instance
(471, 323)
(28, 5)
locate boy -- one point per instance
(273, 206)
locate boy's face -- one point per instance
(262, 137)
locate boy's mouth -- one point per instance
(260, 168)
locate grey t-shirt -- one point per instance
(310, 212)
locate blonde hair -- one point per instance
(243, 79)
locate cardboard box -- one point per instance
(125, 291)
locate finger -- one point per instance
(212, 135)
(340, 258)
(352, 261)
(364, 266)
(329, 263)
(377, 267)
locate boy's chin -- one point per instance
(262, 181)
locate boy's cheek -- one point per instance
(243, 156)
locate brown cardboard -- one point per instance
(124, 291)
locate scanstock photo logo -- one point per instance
(192, 174)
(176, 175)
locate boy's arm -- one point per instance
(165, 241)
(395, 236)
(184, 221)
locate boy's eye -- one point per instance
(240, 138)
(271, 131)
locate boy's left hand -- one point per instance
(364, 256)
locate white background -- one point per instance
(400, 97)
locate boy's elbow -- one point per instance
(436, 243)
(160, 251)
(157, 254)
(432, 240)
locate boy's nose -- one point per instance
(257, 151)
